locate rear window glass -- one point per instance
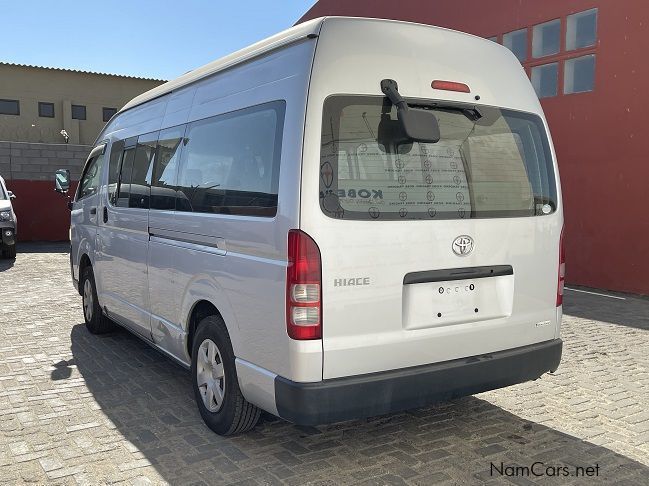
(488, 164)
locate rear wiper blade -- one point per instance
(472, 113)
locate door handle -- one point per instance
(105, 214)
(93, 211)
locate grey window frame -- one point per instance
(103, 113)
(85, 112)
(571, 24)
(17, 113)
(537, 35)
(569, 67)
(527, 41)
(538, 68)
(42, 104)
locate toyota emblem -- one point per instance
(462, 245)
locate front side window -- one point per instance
(3, 196)
(487, 164)
(91, 178)
(230, 162)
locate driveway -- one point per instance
(82, 409)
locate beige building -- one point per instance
(36, 103)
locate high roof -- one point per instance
(276, 41)
(78, 71)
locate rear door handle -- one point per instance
(105, 214)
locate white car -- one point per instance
(353, 217)
(8, 222)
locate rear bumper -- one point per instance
(360, 396)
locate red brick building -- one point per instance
(588, 62)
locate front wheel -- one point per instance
(10, 252)
(214, 377)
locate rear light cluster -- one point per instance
(303, 287)
(562, 270)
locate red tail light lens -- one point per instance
(303, 287)
(450, 86)
(562, 270)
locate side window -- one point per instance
(91, 179)
(124, 186)
(165, 168)
(230, 163)
(113, 170)
(142, 171)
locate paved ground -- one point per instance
(77, 408)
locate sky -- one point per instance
(159, 39)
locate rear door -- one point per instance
(432, 252)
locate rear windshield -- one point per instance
(489, 163)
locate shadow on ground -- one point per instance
(626, 310)
(150, 401)
(43, 247)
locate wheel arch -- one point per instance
(84, 262)
(200, 310)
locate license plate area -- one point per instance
(448, 302)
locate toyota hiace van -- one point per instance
(351, 218)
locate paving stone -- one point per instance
(82, 409)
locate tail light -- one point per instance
(303, 287)
(562, 270)
(450, 86)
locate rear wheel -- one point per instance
(214, 377)
(96, 322)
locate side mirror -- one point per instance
(11, 195)
(62, 181)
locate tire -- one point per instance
(96, 322)
(233, 414)
(10, 252)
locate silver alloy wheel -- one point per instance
(87, 300)
(210, 375)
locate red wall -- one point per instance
(599, 136)
(42, 213)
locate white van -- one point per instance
(350, 218)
